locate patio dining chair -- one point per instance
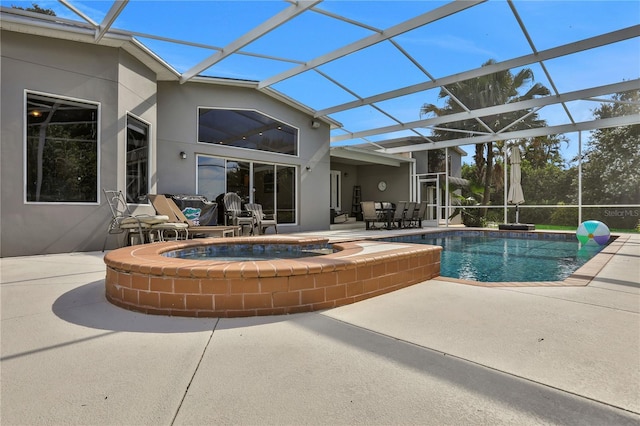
(418, 215)
(407, 222)
(398, 214)
(124, 221)
(263, 221)
(370, 214)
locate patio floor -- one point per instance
(437, 353)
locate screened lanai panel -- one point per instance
(347, 42)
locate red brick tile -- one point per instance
(336, 292)
(139, 282)
(185, 285)
(274, 284)
(244, 285)
(301, 282)
(257, 301)
(214, 286)
(346, 276)
(290, 298)
(250, 270)
(225, 302)
(324, 305)
(197, 302)
(123, 279)
(371, 285)
(129, 295)
(354, 288)
(146, 298)
(312, 296)
(299, 309)
(172, 301)
(271, 311)
(379, 269)
(161, 284)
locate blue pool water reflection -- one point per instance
(492, 259)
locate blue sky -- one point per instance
(445, 47)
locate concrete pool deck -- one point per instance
(437, 352)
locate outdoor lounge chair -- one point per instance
(234, 215)
(167, 206)
(123, 221)
(263, 221)
(407, 222)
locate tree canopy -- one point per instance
(498, 88)
(611, 168)
(37, 9)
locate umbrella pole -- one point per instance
(517, 219)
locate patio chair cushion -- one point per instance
(148, 220)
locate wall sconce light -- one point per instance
(183, 155)
(308, 168)
(346, 174)
(315, 124)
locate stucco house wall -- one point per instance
(121, 84)
(69, 69)
(398, 181)
(177, 131)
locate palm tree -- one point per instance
(498, 88)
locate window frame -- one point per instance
(98, 106)
(276, 166)
(126, 143)
(257, 111)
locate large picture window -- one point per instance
(61, 150)
(271, 185)
(137, 160)
(246, 129)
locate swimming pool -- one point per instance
(492, 258)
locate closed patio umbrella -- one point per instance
(515, 190)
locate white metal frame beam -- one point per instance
(523, 134)
(555, 52)
(269, 25)
(78, 12)
(109, 19)
(411, 24)
(498, 109)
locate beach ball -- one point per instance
(593, 230)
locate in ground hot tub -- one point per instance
(144, 278)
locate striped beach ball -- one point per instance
(593, 230)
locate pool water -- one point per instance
(251, 252)
(491, 259)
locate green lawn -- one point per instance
(573, 228)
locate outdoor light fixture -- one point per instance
(183, 155)
(315, 124)
(308, 168)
